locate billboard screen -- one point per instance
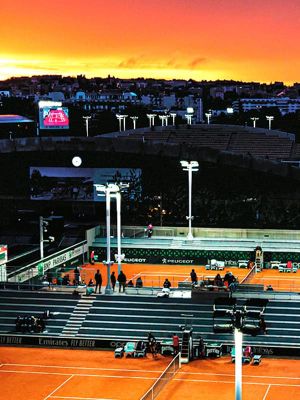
(54, 117)
(69, 184)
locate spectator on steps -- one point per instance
(98, 280)
(113, 280)
(122, 281)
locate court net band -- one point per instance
(163, 379)
(249, 276)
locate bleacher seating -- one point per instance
(26, 303)
(237, 139)
(130, 318)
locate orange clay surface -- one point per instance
(154, 275)
(42, 374)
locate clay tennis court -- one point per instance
(42, 374)
(154, 275)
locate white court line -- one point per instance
(83, 375)
(232, 382)
(139, 370)
(79, 398)
(84, 368)
(267, 391)
(244, 375)
(55, 390)
(146, 378)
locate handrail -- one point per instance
(35, 263)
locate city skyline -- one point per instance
(207, 40)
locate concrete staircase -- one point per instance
(79, 314)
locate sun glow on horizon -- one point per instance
(214, 39)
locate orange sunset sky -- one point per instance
(200, 39)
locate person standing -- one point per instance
(92, 257)
(98, 280)
(194, 277)
(113, 280)
(149, 231)
(175, 344)
(122, 281)
(76, 276)
(167, 284)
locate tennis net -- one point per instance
(249, 276)
(163, 379)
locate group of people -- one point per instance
(30, 324)
(229, 280)
(138, 283)
(113, 280)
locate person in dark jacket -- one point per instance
(194, 277)
(98, 280)
(113, 280)
(122, 281)
(167, 284)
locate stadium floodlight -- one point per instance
(151, 118)
(190, 167)
(270, 119)
(134, 119)
(87, 118)
(44, 224)
(122, 118)
(189, 118)
(119, 257)
(237, 320)
(173, 115)
(107, 190)
(254, 119)
(164, 119)
(208, 116)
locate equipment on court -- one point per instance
(129, 349)
(140, 349)
(164, 378)
(256, 360)
(167, 347)
(213, 350)
(164, 293)
(187, 346)
(119, 352)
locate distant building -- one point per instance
(285, 105)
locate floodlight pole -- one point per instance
(107, 190)
(119, 234)
(108, 263)
(270, 119)
(208, 115)
(173, 115)
(134, 119)
(189, 118)
(41, 238)
(87, 118)
(122, 118)
(151, 118)
(238, 343)
(254, 119)
(190, 167)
